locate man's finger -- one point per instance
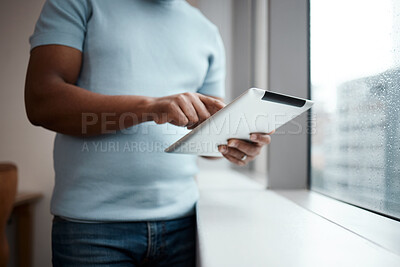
(212, 104)
(178, 117)
(241, 162)
(261, 138)
(250, 149)
(187, 108)
(233, 152)
(235, 160)
(201, 110)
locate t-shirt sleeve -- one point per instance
(214, 82)
(61, 22)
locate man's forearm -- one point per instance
(71, 110)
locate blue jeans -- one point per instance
(155, 243)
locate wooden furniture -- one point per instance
(23, 212)
(8, 188)
(20, 206)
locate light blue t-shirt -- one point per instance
(131, 47)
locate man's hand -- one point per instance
(241, 152)
(186, 109)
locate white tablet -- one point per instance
(255, 111)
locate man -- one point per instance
(119, 81)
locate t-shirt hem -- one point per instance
(80, 219)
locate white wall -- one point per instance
(220, 13)
(20, 142)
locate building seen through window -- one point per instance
(355, 82)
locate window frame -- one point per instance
(288, 72)
(281, 177)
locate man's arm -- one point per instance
(53, 101)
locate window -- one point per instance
(355, 83)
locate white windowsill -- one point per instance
(242, 224)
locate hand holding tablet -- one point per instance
(240, 152)
(255, 111)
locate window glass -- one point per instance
(355, 83)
